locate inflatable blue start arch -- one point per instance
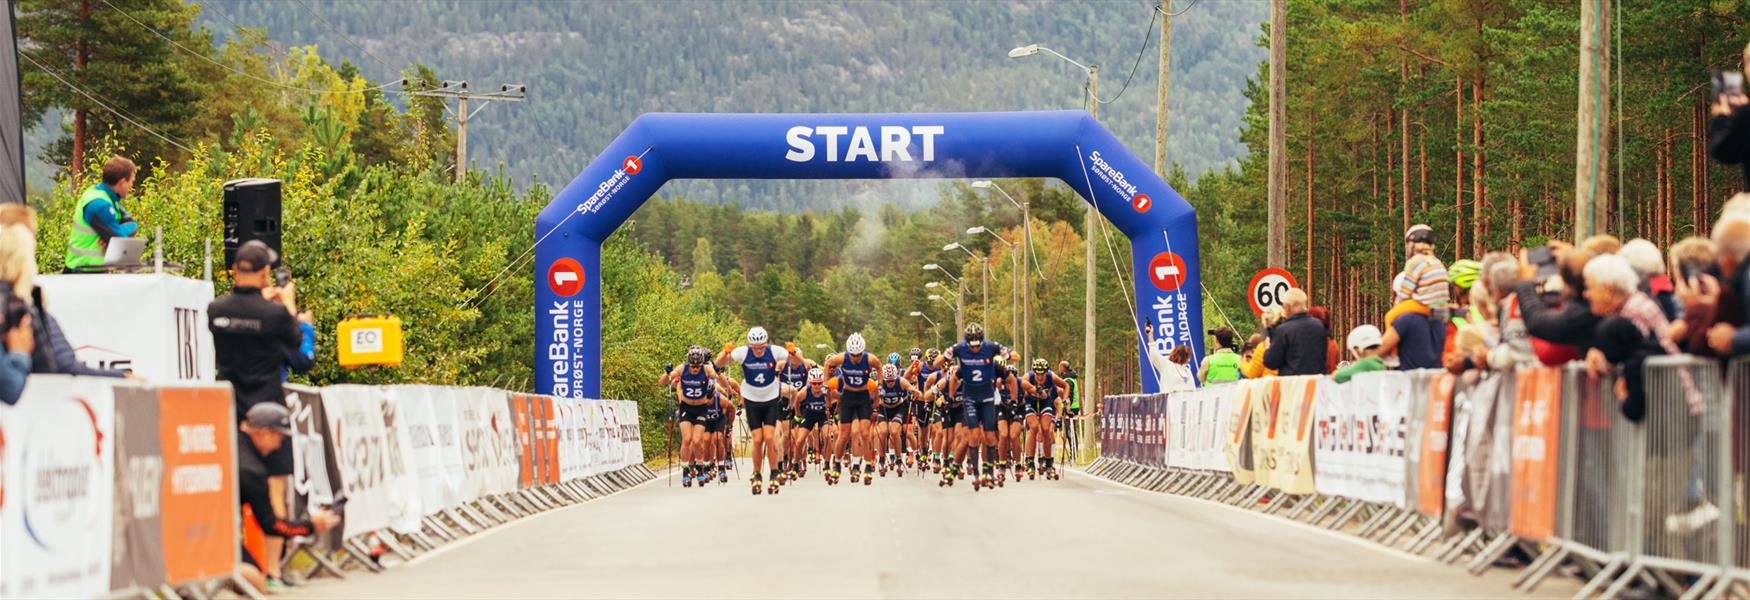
(1067, 145)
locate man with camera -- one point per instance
(1728, 129)
(254, 331)
(264, 431)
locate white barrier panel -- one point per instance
(631, 436)
(154, 324)
(426, 418)
(573, 459)
(57, 489)
(1360, 438)
(376, 471)
(1197, 419)
(489, 442)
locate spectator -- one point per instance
(253, 333)
(1409, 334)
(265, 428)
(1073, 404)
(1650, 266)
(1222, 365)
(1728, 129)
(1252, 359)
(1728, 336)
(1462, 276)
(1602, 244)
(1363, 344)
(1333, 352)
(99, 216)
(1425, 278)
(1631, 330)
(52, 353)
(20, 337)
(1297, 343)
(1172, 372)
(1560, 331)
(1704, 301)
(1513, 348)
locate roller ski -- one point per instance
(856, 474)
(771, 488)
(687, 477)
(757, 486)
(868, 474)
(722, 476)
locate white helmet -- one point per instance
(756, 336)
(816, 376)
(889, 372)
(854, 344)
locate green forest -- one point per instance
(1458, 113)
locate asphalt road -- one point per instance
(908, 538)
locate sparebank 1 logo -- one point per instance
(565, 277)
(1167, 272)
(1123, 187)
(605, 191)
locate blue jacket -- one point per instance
(107, 215)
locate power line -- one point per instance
(1147, 36)
(346, 38)
(232, 69)
(124, 116)
(1187, 8)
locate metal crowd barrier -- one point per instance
(1515, 466)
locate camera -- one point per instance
(1728, 83)
(282, 276)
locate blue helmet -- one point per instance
(893, 358)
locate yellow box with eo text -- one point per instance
(370, 341)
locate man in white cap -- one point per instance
(759, 362)
(1363, 343)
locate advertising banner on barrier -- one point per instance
(1238, 438)
(139, 471)
(550, 435)
(315, 474)
(175, 486)
(153, 324)
(527, 459)
(1430, 456)
(571, 454)
(489, 442)
(376, 470)
(427, 420)
(1286, 457)
(1536, 444)
(631, 435)
(1489, 450)
(57, 479)
(1360, 445)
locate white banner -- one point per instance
(427, 421)
(377, 471)
(1196, 420)
(57, 489)
(572, 461)
(488, 441)
(1359, 443)
(155, 325)
(631, 436)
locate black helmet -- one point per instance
(915, 352)
(696, 355)
(1040, 366)
(974, 334)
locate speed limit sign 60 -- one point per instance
(1268, 288)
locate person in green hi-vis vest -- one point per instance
(99, 216)
(1223, 364)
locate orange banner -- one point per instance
(550, 429)
(1536, 433)
(1431, 476)
(199, 493)
(519, 407)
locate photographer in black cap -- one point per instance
(264, 431)
(254, 328)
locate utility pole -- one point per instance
(1591, 151)
(1161, 90)
(1278, 205)
(1088, 375)
(1026, 286)
(984, 276)
(459, 90)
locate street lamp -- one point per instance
(938, 268)
(985, 275)
(1093, 86)
(1015, 277)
